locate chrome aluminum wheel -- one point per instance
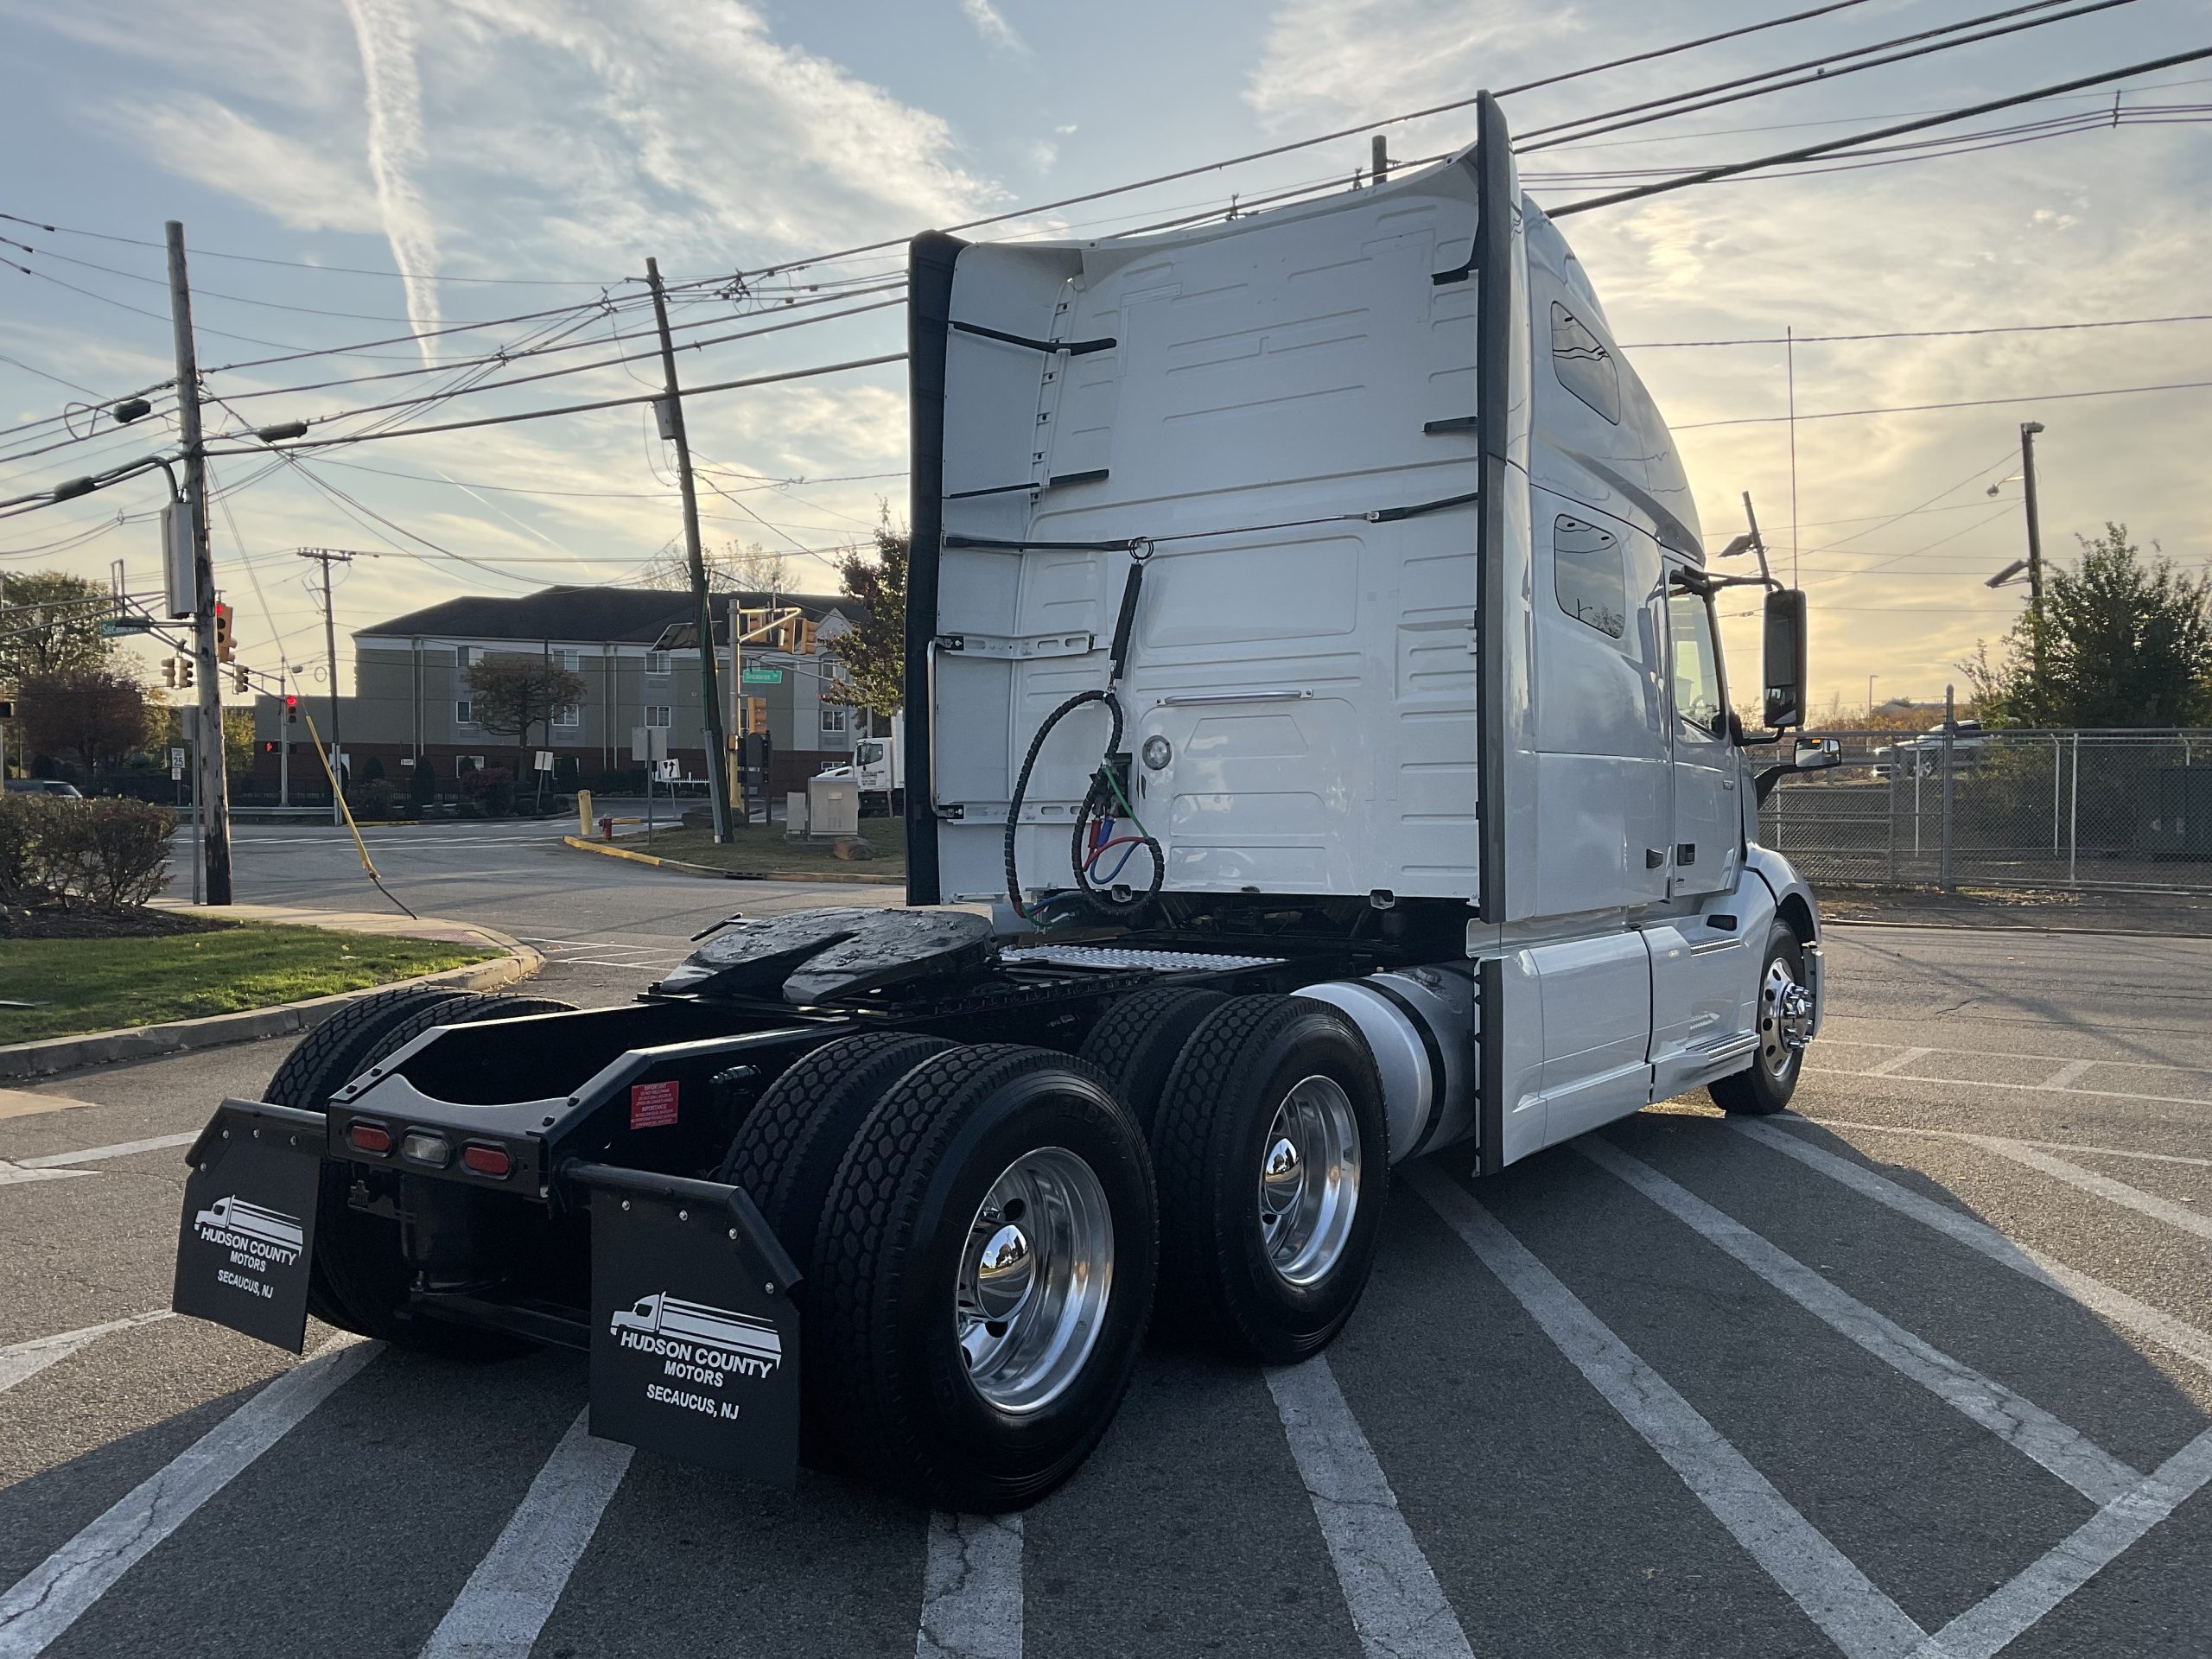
(1785, 1019)
(1309, 1180)
(1035, 1278)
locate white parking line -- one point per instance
(2147, 1204)
(24, 1360)
(1994, 1622)
(2032, 1087)
(1816, 1575)
(101, 1155)
(1896, 1061)
(514, 1589)
(55, 1594)
(971, 1588)
(2008, 1054)
(1397, 1608)
(16, 1174)
(2068, 1073)
(2021, 1424)
(2047, 1145)
(2114, 1306)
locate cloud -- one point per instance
(992, 25)
(298, 182)
(385, 34)
(1043, 153)
(1332, 61)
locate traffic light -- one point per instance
(268, 745)
(183, 673)
(168, 672)
(291, 710)
(222, 631)
(806, 631)
(244, 683)
(756, 714)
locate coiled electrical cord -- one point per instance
(1099, 796)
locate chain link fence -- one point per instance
(1962, 807)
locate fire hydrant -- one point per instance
(607, 829)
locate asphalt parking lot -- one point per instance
(1924, 1367)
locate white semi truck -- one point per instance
(1311, 668)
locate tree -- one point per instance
(99, 714)
(50, 624)
(513, 692)
(733, 567)
(2119, 640)
(165, 725)
(873, 651)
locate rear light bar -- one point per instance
(372, 1138)
(494, 1161)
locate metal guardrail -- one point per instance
(1964, 807)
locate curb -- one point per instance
(53, 1054)
(606, 851)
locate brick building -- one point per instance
(634, 649)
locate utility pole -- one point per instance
(1379, 159)
(2028, 430)
(326, 556)
(210, 785)
(710, 706)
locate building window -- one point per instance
(833, 722)
(1583, 366)
(656, 713)
(657, 663)
(572, 661)
(572, 717)
(465, 655)
(1587, 575)
(464, 712)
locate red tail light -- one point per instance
(372, 1138)
(488, 1161)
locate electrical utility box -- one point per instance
(1415, 540)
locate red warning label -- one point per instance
(652, 1105)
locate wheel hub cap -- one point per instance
(1785, 1019)
(1035, 1278)
(1309, 1180)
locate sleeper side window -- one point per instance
(1584, 367)
(1588, 576)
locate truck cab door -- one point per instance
(1708, 813)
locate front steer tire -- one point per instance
(1765, 1087)
(1261, 1070)
(923, 1391)
(358, 1279)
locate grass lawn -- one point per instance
(760, 849)
(83, 985)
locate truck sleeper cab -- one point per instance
(1312, 666)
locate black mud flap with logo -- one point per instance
(247, 1234)
(694, 1338)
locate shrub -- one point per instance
(490, 789)
(372, 770)
(422, 786)
(567, 774)
(372, 799)
(112, 854)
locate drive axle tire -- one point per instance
(1273, 1156)
(1136, 1040)
(357, 1281)
(983, 1276)
(1785, 1018)
(787, 1151)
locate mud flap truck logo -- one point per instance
(697, 1340)
(240, 1225)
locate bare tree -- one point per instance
(733, 567)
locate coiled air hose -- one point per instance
(1104, 792)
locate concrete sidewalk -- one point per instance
(515, 961)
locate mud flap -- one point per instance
(247, 1234)
(695, 1344)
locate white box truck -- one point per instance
(1312, 668)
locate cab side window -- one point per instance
(1583, 366)
(1587, 574)
(1699, 701)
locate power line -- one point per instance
(1806, 152)
(1961, 403)
(1917, 333)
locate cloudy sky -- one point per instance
(350, 171)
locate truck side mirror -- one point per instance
(1785, 658)
(1816, 754)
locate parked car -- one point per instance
(45, 786)
(1923, 756)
